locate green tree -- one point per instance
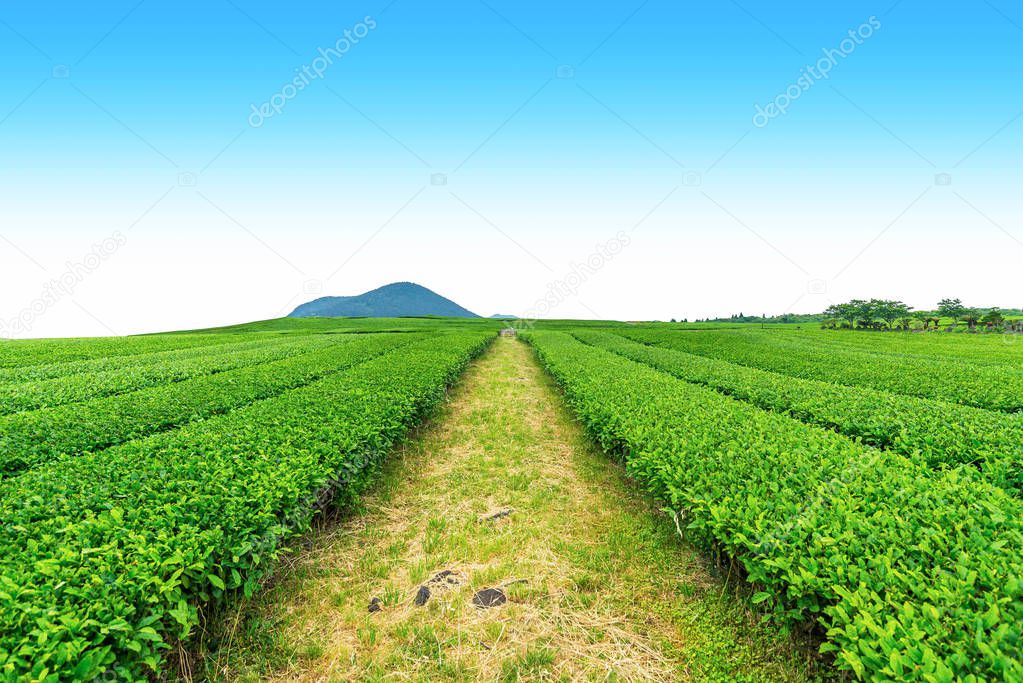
(952, 308)
(971, 317)
(864, 312)
(888, 310)
(848, 312)
(993, 317)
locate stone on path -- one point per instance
(489, 597)
(495, 514)
(445, 577)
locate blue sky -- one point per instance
(554, 129)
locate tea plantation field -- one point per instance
(861, 489)
(868, 484)
(146, 478)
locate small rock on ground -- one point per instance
(489, 597)
(496, 514)
(422, 595)
(446, 577)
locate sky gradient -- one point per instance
(489, 149)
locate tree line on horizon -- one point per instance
(878, 314)
(889, 314)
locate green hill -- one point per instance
(395, 300)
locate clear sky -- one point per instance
(170, 165)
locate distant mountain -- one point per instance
(501, 316)
(396, 300)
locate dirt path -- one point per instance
(598, 585)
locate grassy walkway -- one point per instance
(599, 586)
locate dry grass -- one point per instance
(598, 586)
